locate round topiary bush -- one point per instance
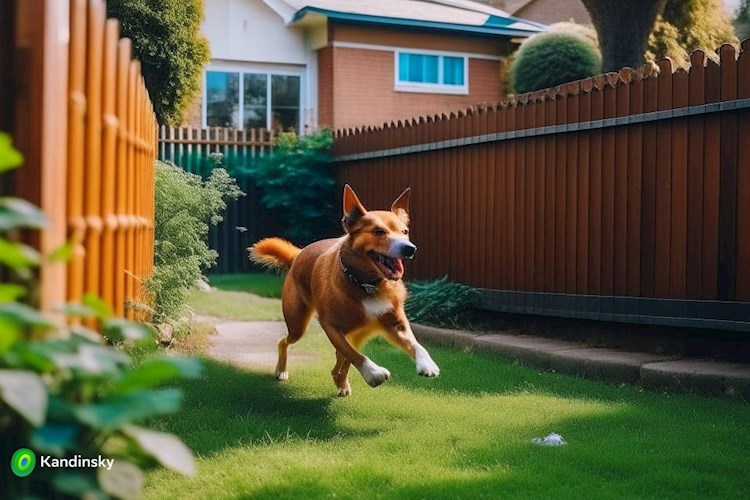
(551, 59)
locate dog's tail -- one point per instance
(274, 253)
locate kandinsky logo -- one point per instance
(23, 462)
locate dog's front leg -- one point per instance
(373, 374)
(398, 332)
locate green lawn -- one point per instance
(265, 285)
(466, 434)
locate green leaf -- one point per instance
(9, 157)
(25, 315)
(17, 213)
(10, 292)
(166, 449)
(77, 310)
(25, 392)
(92, 359)
(81, 484)
(9, 333)
(17, 255)
(123, 480)
(98, 305)
(55, 439)
(63, 253)
(115, 412)
(125, 330)
(157, 371)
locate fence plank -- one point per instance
(622, 153)
(694, 257)
(595, 193)
(561, 114)
(679, 184)
(608, 193)
(582, 209)
(634, 187)
(571, 189)
(550, 114)
(663, 205)
(743, 179)
(711, 185)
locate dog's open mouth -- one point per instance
(393, 269)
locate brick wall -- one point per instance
(325, 86)
(364, 91)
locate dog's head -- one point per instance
(381, 236)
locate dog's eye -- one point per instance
(405, 231)
(379, 232)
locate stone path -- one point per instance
(253, 344)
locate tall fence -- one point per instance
(622, 197)
(80, 113)
(199, 151)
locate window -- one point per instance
(427, 72)
(263, 100)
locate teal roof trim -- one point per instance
(494, 26)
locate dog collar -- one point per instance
(369, 288)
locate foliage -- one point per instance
(686, 26)
(623, 29)
(262, 284)
(167, 40)
(742, 20)
(186, 206)
(550, 59)
(65, 393)
(440, 302)
(297, 185)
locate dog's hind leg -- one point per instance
(297, 315)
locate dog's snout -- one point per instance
(404, 249)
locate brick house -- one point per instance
(295, 64)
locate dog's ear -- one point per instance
(400, 207)
(353, 208)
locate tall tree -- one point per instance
(623, 27)
(167, 40)
(742, 20)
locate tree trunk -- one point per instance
(623, 27)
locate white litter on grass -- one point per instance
(550, 440)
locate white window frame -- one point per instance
(269, 72)
(430, 88)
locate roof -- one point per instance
(446, 15)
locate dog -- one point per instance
(354, 284)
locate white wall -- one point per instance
(248, 30)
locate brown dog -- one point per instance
(354, 284)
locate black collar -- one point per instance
(369, 288)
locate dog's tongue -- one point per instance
(399, 268)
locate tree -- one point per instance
(167, 40)
(688, 25)
(742, 20)
(623, 27)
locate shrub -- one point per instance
(65, 393)
(550, 59)
(167, 40)
(185, 207)
(440, 302)
(297, 184)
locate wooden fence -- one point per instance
(621, 197)
(81, 114)
(245, 221)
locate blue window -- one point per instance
(430, 70)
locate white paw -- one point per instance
(346, 391)
(425, 365)
(373, 374)
(282, 375)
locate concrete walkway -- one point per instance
(253, 344)
(650, 370)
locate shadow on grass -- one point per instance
(230, 406)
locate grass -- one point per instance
(466, 434)
(237, 306)
(263, 284)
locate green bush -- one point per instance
(551, 59)
(297, 184)
(440, 302)
(167, 40)
(66, 394)
(186, 205)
